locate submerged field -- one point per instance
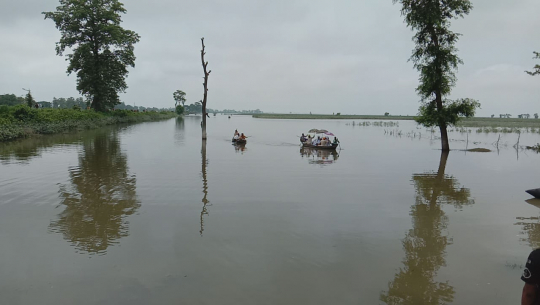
(150, 214)
(466, 122)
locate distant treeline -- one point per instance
(69, 103)
(197, 108)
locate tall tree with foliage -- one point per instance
(29, 99)
(436, 59)
(102, 49)
(537, 67)
(180, 97)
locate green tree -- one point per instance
(436, 59)
(180, 97)
(30, 102)
(102, 49)
(10, 100)
(179, 110)
(537, 67)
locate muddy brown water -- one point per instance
(146, 214)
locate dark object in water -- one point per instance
(534, 192)
(333, 147)
(239, 141)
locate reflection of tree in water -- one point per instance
(531, 227)
(319, 156)
(99, 198)
(205, 201)
(179, 134)
(425, 243)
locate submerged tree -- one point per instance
(102, 49)
(537, 67)
(436, 59)
(205, 84)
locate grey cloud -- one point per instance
(299, 56)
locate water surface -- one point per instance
(148, 214)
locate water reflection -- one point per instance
(179, 134)
(239, 148)
(530, 226)
(24, 150)
(425, 244)
(319, 156)
(205, 201)
(101, 195)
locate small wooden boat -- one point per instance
(239, 141)
(333, 147)
(534, 192)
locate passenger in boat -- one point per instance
(531, 277)
(318, 141)
(336, 141)
(242, 136)
(236, 132)
(324, 142)
(303, 138)
(236, 137)
(309, 140)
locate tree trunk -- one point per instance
(442, 124)
(205, 84)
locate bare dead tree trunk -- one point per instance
(205, 84)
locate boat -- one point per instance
(319, 131)
(239, 141)
(332, 147)
(534, 192)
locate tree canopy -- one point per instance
(180, 97)
(436, 59)
(10, 100)
(102, 49)
(537, 67)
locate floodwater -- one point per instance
(147, 214)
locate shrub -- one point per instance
(179, 110)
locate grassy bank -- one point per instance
(22, 121)
(466, 122)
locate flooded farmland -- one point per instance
(148, 214)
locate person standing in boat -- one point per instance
(303, 138)
(531, 276)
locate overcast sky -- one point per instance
(285, 55)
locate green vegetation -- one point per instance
(180, 97)
(435, 58)
(22, 121)
(102, 49)
(179, 110)
(10, 100)
(537, 67)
